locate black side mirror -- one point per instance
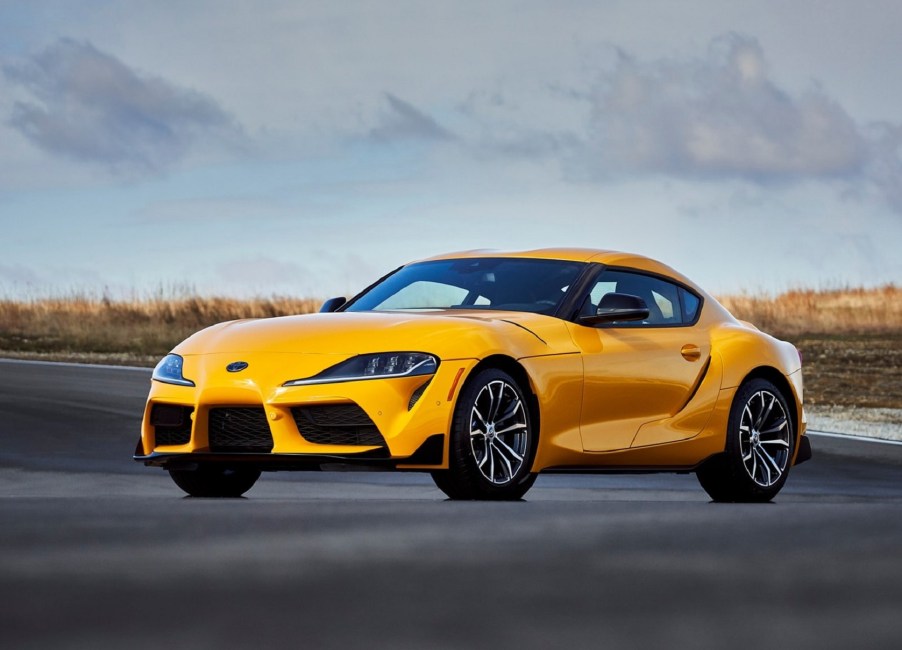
(332, 304)
(617, 307)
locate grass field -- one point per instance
(851, 339)
(137, 331)
(838, 312)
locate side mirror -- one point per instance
(615, 307)
(332, 304)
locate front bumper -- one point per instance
(412, 416)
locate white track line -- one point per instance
(847, 436)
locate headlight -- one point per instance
(374, 366)
(169, 371)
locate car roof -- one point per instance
(601, 256)
(571, 254)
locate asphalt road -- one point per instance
(97, 551)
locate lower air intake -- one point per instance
(171, 424)
(337, 424)
(239, 429)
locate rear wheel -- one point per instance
(215, 481)
(759, 447)
(492, 443)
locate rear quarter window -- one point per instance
(691, 304)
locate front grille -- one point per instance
(171, 424)
(337, 424)
(239, 429)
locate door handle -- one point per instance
(691, 352)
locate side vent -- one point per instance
(417, 394)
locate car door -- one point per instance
(641, 371)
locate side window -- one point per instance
(668, 303)
(690, 305)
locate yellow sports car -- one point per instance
(484, 369)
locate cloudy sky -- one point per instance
(300, 147)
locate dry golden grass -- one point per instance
(832, 312)
(138, 330)
(851, 341)
(147, 327)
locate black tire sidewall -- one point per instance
(215, 481)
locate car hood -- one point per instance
(450, 335)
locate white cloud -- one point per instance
(403, 121)
(720, 115)
(885, 165)
(88, 105)
(724, 114)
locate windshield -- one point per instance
(506, 283)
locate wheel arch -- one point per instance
(464, 477)
(779, 380)
(512, 367)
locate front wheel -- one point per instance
(493, 441)
(214, 481)
(759, 446)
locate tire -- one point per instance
(493, 441)
(759, 447)
(215, 481)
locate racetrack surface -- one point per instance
(97, 551)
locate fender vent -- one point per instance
(417, 394)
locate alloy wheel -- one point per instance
(499, 432)
(764, 438)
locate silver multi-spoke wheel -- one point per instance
(499, 432)
(758, 449)
(493, 439)
(764, 438)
